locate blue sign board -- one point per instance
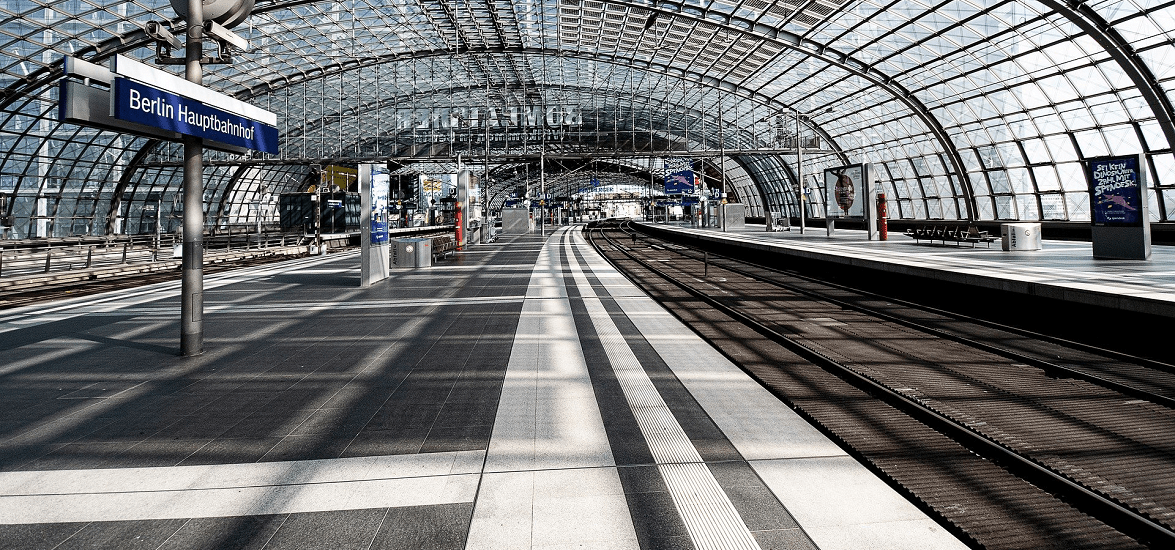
(379, 206)
(142, 104)
(679, 176)
(1115, 191)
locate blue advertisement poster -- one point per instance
(679, 176)
(1115, 191)
(379, 207)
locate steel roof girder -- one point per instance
(1120, 50)
(834, 57)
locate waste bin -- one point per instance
(412, 252)
(1020, 236)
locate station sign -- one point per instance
(150, 97)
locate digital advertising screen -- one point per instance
(1115, 190)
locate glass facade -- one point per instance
(968, 109)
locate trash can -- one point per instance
(412, 252)
(1020, 236)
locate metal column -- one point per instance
(192, 299)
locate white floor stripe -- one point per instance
(273, 306)
(706, 510)
(238, 489)
(550, 478)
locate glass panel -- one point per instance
(1091, 143)
(1072, 176)
(1078, 206)
(1046, 178)
(1052, 207)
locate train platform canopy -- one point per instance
(968, 109)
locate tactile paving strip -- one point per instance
(708, 514)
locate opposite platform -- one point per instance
(1063, 270)
(521, 395)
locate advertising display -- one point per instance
(1115, 191)
(845, 188)
(679, 176)
(379, 206)
(1119, 222)
(374, 261)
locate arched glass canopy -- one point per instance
(969, 109)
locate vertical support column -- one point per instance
(800, 173)
(543, 193)
(192, 299)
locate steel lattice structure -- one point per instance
(970, 109)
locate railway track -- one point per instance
(1010, 439)
(85, 286)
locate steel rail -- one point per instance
(1050, 368)
(1080, 497)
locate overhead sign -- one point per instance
(142, 104)
(147, 96)
(88, 105)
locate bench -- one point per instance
(443, 246)
(955, 234)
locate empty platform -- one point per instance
(520, 395)
(1062, 270)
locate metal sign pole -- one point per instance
(192, 300)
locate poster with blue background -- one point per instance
(379, 206)
(1115, 191)
(679, 176)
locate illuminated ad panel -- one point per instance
(845, 189)
(1115, 190)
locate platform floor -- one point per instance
(519, 395)
(1065, 270)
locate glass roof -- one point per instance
(969, 109)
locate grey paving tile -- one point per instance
(759, 508)
(443, 527)
(641, 479)
(784, 539)
(656, 520)
(734, 474)
(387, 442)
(307, 447)
(233, 533)
(461, 438)
(76, 456)
(41, 536)
(231, 451)
(123, 535)
(339, 530)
